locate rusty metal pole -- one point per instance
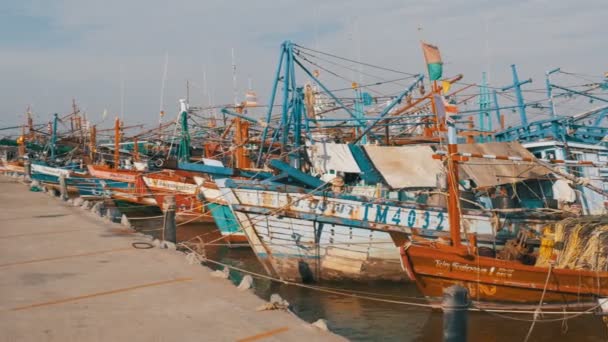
(455, 310)
(170, 229)
(63, 188)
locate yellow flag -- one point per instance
(446, 85)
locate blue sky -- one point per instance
(53, 51)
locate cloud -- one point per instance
(54, 51)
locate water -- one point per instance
(364, 320)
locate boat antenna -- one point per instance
(234, 87)
(162, 93)
(122, 93)
(117, 143)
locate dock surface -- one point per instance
(69, 276)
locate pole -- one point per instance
(54, 136)
(169, 230)
(273, 94)
(63, 188)
(183, 152)
(452, 182)
(135, 149)
(117, 143)
(484, 104)
(455, 304)
(550, 90)
(27, 166)
(497, 110)
(93, 143)
(518, 94)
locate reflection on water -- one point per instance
(363, 320)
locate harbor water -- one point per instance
(360, 319)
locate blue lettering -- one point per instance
(427, 221)
(440, 224)
(381, 215)
(397, 217)
(366, 211)
(411, 218)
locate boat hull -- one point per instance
(305, 251)
(219, 209)
(499, 283)
(189, 208)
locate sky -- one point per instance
(110, 55)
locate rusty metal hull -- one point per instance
(499, 283)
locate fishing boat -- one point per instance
(220, 211)
(329, 213)
(181, 185)
(326, 230)
(511, 279)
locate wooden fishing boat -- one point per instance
(110, 173)
(508, 280)
(493, 282)
(123, 185)
(77, 180)
(219, 209)
(189, 208)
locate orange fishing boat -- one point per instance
(189, 207)
(513, 278)
(107, 172)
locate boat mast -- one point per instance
(135, 149)
(116, 143)
(453, 183)
(241, 137)
(516, 86)
(21, 142)
(484, 105)
(30, 123)
(183, 152)
(54, 136)
(93, 142)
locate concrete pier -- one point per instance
(69, 276)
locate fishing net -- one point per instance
(578, 243)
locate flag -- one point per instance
(446, 85)
(444, 108)
(433, 61)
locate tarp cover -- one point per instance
(327, 156)
(406, 166)
(491, 172)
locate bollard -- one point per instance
(63, 188)
(27, 167)
(169, 231)
(455, 309)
